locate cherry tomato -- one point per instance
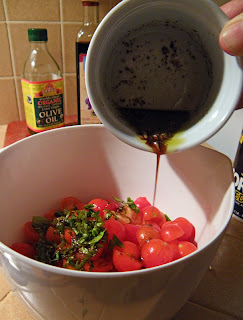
(155, 253)
(135, 217)
(70, 203)
(114, 227)
(153, 214)
(25, 249)
(50, 215)
(53, 235)
(142, 202)
(69, 235)
(131, 232)
(146, 233)
(152, 224)
(170, 231)
(187, 227)
(129, 248)
(174, 245)
(30, 233)
(67, 265)
(112, 205)
(123, 262)
(99, 205)
(185, 248)
(99, 265)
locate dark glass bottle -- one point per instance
(86, 115)
(238, 174)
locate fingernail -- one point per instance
(232, 38)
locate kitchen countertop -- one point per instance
(218, 296)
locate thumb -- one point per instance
(231, 36)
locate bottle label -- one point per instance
(88, 116)
(43, 103)
(238, 175)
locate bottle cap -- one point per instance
(90, 2)
(37, 34)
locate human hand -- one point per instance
(231, 36)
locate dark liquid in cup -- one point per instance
(159, 78)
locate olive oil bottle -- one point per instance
(86, 114)
(42, 86)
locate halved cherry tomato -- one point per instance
(123, 262)
(174, 245)
(170, 231)
(99, 205)
(67, 265)
(99, 265)
(112, 205)
(53, 235)
(69, 235)
(185, 248)
(114, 227)
(155, 253)
(70, 203)
(129, 248)
(50, 215)
(142, 202)
(187, 227)
(153, 214)
(30, 233)
(26, 249)
(146, 233)
(131, 232)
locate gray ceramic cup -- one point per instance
(162, 55)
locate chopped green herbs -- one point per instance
(129, 203)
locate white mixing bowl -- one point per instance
(88, 162)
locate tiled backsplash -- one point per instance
(62, 19)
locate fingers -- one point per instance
(231, 36)
(233, 8)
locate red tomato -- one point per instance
(112, 205)
(146, 233)
(53, 235)
(152, 224)
(153, 214)
(50, 215)
(187, 227)
(170, 231)
(99, 205)
(142, 202)
(70, 203)
(66, 265)
(30, 233)
(155, 253)
(131, 232)
(25, 249)
(123, 262)
(69, 234)
(129, 248)
(174, 245)
(99, 265)
(114, 227)
(185, 248)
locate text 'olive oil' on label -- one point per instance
(43, 103)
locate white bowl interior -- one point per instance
(89, 162)
(206, 20)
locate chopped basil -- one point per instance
(167, 218)
(129, 203)
(40, 224)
